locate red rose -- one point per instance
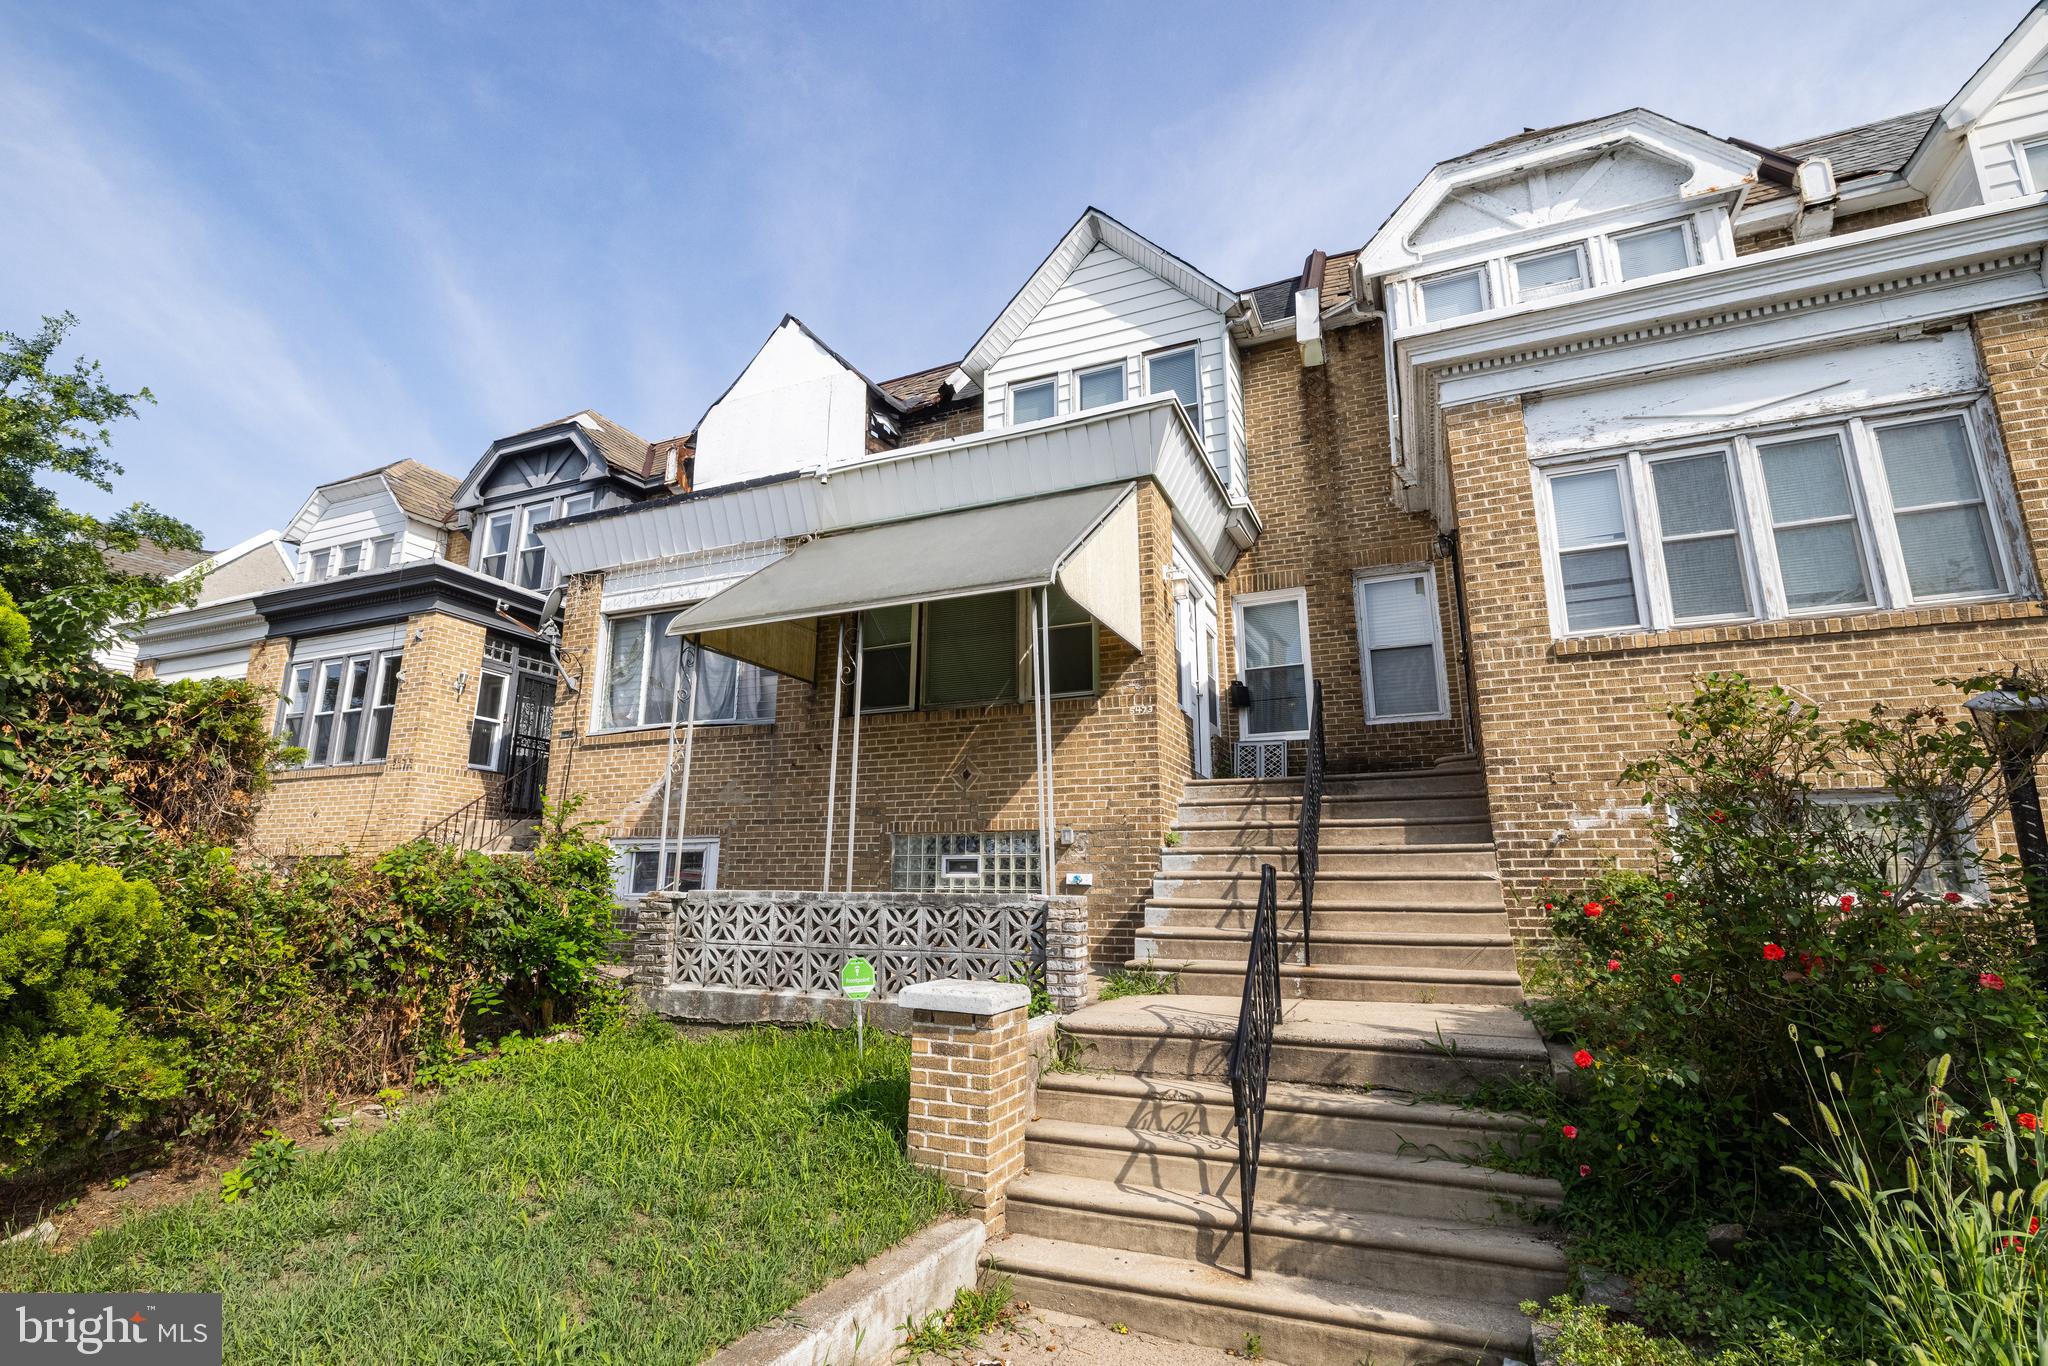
(1548, 906)
(1678, 979)
(1877, 1029)
(2026, 1120)
(1990, 981)
(1593, 910)
(1879, 969)
(1718, 817)
(2012, 1081)
(1614, 965)
(1582, 1058)
(1585, 1170)
(2034, 1224)
(1848, 901)
(1671, 896)
(1571, 1131)
(1951, 897)
(1772, 953)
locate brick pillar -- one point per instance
(970, 1075)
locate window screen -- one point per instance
(1938, 501)
(1813, 523)
(1702, 550)
(970, 650)
(1399, 626)
(1593, 556)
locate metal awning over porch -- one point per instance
(1084, 541)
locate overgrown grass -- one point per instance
(1138, 982)
(977, 1311)
(638, 1197)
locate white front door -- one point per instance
(1273, 660)
(1195, 641)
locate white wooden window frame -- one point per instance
(1514, 272)
(1884, 564)
(507, 679)
(315, 668)
(2020, 148)
(1299, 597)
(919, 649)
(1122, 367)
(1014, 387)
(623, 852)
(481, 552)
(1193, 348)
(1611, 247)
(1360, 579)
(1489, 289)
(600, 702)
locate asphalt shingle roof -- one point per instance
(1877, 148)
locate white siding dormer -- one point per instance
(796, 406)
(357, 527)
(1977, 152)
(1113, 312)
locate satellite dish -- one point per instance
(551, 607)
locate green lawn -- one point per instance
(640, 1197)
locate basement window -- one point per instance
(990, 861)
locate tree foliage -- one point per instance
(58, 421)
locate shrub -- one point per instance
(1771, 908)
(79, 949)
(1586, 1336)
(1950, 1260)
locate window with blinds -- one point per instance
(971, 651)
(1401, 646)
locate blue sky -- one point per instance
(331, 236)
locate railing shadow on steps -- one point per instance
(1308, 833)
(508, 800)
(1251, 1052)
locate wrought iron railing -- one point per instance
(1251, 1052)
(508, 801)
(1308, 834)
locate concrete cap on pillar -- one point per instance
(960, 996)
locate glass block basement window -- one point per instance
(999, 861)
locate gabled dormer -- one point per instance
(799, 405)
(392, 515)
(1556, 212)
(1990, 142)
(578, 464)
(1111, 317)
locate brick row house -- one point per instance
(1598, 409)
(1017, 658)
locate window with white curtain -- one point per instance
(1033, 402)
(1272, 648)
(1849, 514)
(1104, 384)
(1653, 251)
(1454, 294)
(1400, 645)
(641, 687)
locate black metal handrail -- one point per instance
(497, 811)
(1308, 834)
(1251, 1052)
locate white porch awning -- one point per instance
(1085, 541)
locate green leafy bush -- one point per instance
(80, 948)
(1773, 907)
(1587, 1336)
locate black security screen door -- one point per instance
(526, 772)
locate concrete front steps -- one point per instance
(1379, 1232)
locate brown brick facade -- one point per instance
(1322, 483)
(1560, 719)
(761, 790)
(426, 776)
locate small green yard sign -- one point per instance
(857, 979)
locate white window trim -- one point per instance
(1299, 597)
(479, 552)
(600, 701)
(1876, 526)
(1489, 291)
(2020, 148)
(378, 660)
(1010, 389)
(1611, 248)
(622, 862)
(1159, 353)
(524, 517)
(502, 719)
(916, 647)
(365, 548)
(1382, 574)
(1514, 272)
(1122, 365)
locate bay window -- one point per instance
(339, 709)
(641, 687)
(1810, 519)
